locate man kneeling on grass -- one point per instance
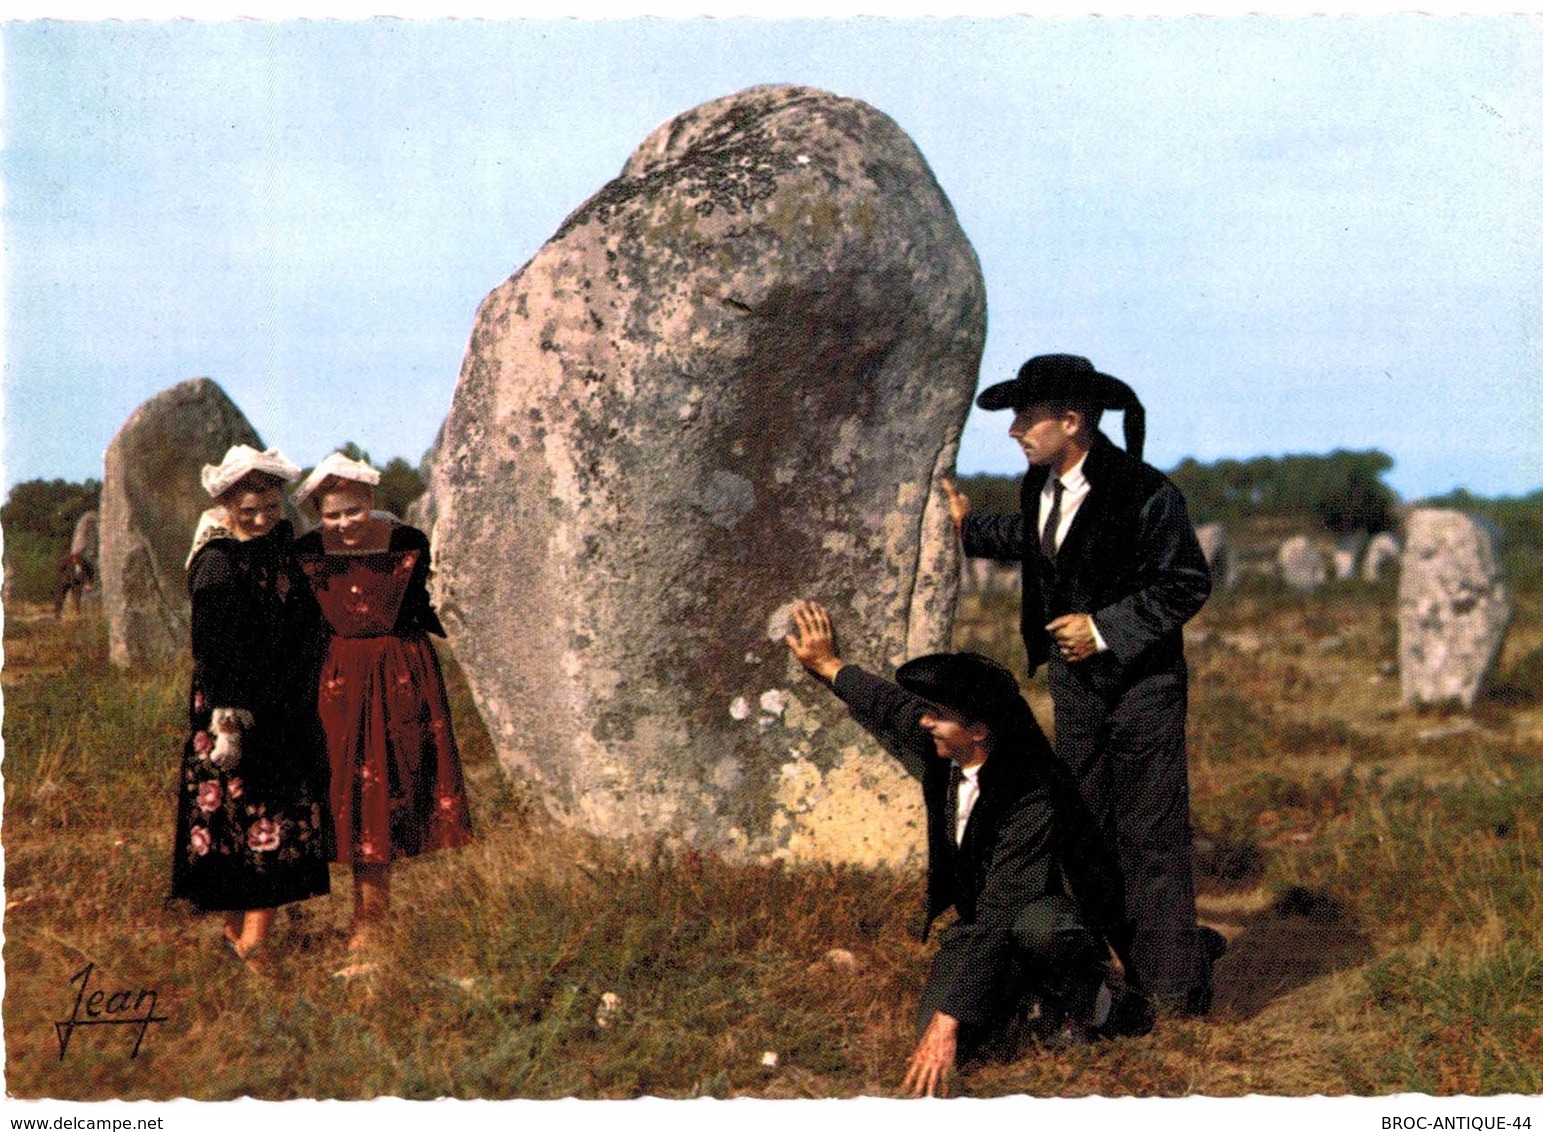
(1008, 844)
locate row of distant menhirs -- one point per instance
(1069, 869)
(318, 726)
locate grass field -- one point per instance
(1378, 872)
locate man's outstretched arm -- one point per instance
(885, 710)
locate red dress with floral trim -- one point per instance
(396, 787)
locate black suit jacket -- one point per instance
(1027, 835)
(1130, 559)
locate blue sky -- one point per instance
(1287, 234)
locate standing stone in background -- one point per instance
(151, 500)
(1382, 552)
(1219, 554)
(731, 380)
(1301, 564)
(1347, 552)
(86, 540)
(1453, 608)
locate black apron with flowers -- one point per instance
(257, 835)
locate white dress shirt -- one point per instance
(1074, 489)
(968, 794)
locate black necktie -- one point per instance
(1053, 520)
(951, 810)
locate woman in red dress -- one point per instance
(396, 788)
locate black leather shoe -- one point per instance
(1130, 1015)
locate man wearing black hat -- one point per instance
(1111, 572)
(1007, 839)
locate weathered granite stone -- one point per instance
(1219, 554)
(1301, 564)
(1347, 553)
(87, 540)
(731, 380)
(1382, 554)
(1453, 608)
(151, 500)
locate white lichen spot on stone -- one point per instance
(726, 774)
(728, 498)
(802, 159)
(751, 658)
(604, 683)
(838, 542)
(780, 623)
(799, 788)
(784, 474)
(774, 701)
(847, 442)
(739, 708)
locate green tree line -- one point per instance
(1343, 491)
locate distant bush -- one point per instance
(39, 518)
(1521, 685)
(1342, 490)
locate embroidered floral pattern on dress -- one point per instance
(264, 835)
(223, 823)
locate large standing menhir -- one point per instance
(151, 502)
(732, 378)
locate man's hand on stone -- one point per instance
(958, 504)
(814, 643)
(932, 1064)
(1073, 635)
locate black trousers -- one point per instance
(1126, 750)
(1050, 954)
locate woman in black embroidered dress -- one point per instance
(396, 787)
(252, 827)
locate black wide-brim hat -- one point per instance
(976, 687)
(1068, 378)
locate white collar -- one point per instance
(1073, 480)
(212, 524)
